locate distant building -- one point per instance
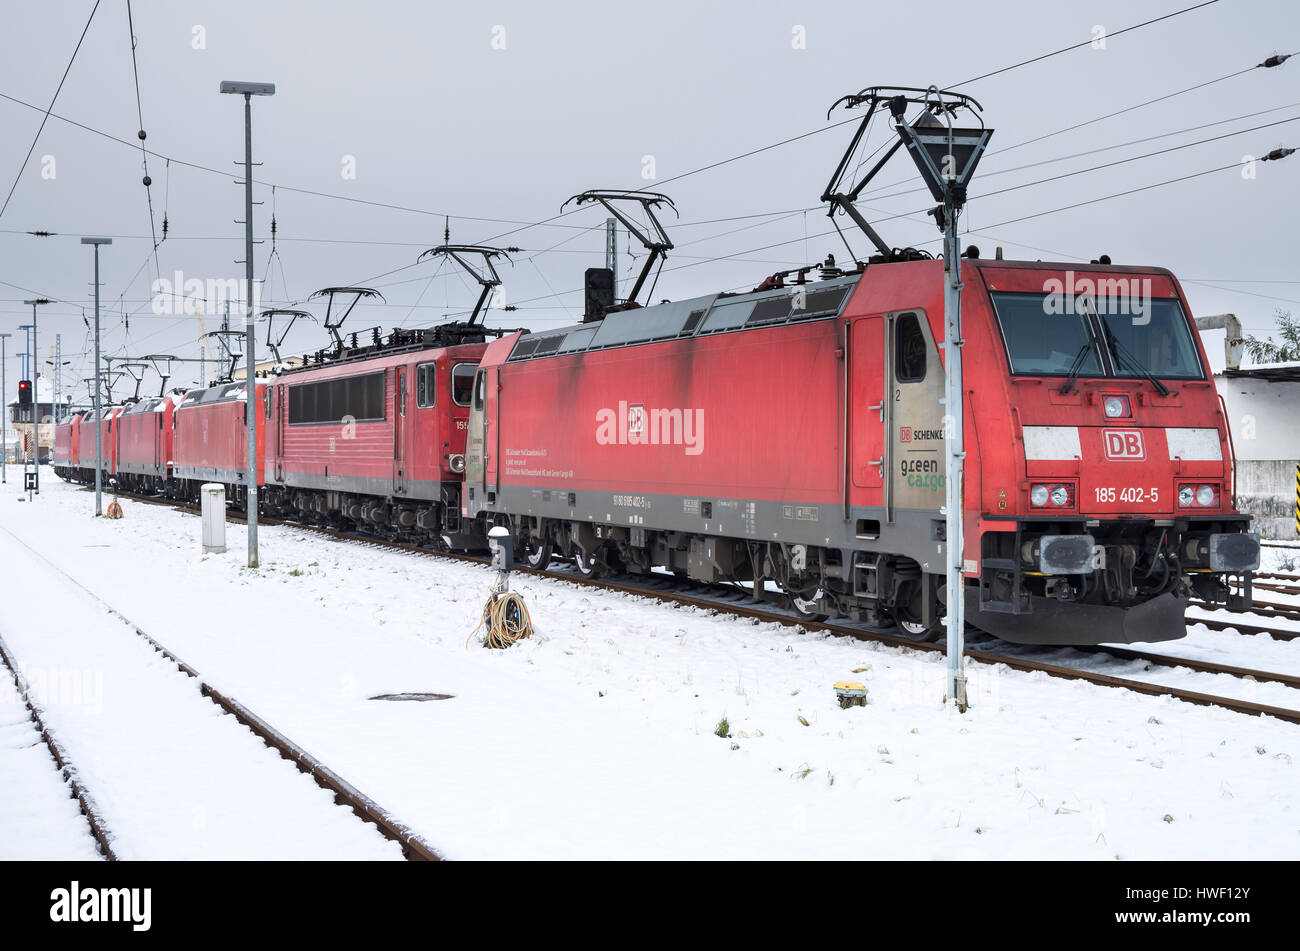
(19, 422)
(1263, 405)
(265, 368)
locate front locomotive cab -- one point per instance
(1116, 505)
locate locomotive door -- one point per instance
(399, 430)
(867, 403)
(917, 438)
(491, 430)
(281, 417)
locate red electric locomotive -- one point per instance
(107, 423)
(796, 435)
(210, 439)
(144, 445)
(376, 436)
(65, 446)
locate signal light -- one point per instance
(24, 392)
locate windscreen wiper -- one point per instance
(1076, 366)
(1123, 353)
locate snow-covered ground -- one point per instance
(39, 819)
(596, 738)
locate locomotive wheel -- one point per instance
(907, 615)
(806, 607)
(536, 553)
(589, 566)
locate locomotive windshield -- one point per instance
(1045, 336)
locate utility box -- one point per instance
(213, 500)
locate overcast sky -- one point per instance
(503, 110)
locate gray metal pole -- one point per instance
(27, 363)
(58, 376)
(99, 428)
(611, 250)
(250, 335)
(955, 617)
(4, 427)
(96, 400)
(36, 405)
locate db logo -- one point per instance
(904, 433)
(1124, 444)
(636, 420)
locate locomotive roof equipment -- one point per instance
(229, 356)
(485, 273)
(162, 365)
(135, 370)
(652, 236)
(945, 155)
(333, 319)
(275, 342)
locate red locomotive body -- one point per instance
(107, 424)
(378, 440)
(144, 444)
(210, 439)
(796, 435)
(65, 446)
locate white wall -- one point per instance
(1264, 416)
(1265, 422)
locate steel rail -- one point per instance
(893, 640)
(99, 828)
(414, 846)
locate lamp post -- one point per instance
(946, 156)
(36, 395)
(99, 429)
(4, 426)
(248, 91)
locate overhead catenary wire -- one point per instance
(144, 154)
(579, 229)
(712, 165)
(48, 110)
(1087, 42)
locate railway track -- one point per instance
(1278, 588)
(1294, 579)
(89, 808)
(734, 603)
(414, 846)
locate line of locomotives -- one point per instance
(792, 435)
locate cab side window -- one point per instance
(480, 389)
(424, 390)
(909, 349)
(462, 379)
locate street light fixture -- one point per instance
(248, 91)
(99, 429)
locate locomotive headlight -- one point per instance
(456, 462)
(1060, 495)
(1038, 495)
(1198, 496)
(1116, 406)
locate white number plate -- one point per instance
(1126, 494)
